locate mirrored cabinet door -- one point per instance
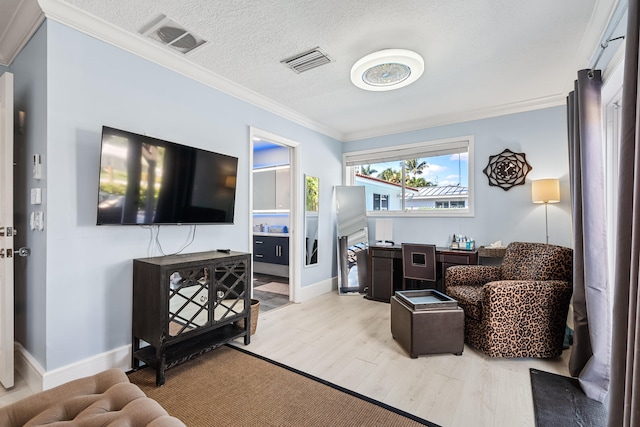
(188, 300)
(229, 294)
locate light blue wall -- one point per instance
(77, 301)
(88, 270)
(499, 215)
(30, 96)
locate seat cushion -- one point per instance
(104, 399)
(122, 404)
(469, 299)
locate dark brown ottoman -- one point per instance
(427, 322)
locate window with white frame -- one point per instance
(432, 178)
(380, 202)
(449, 204)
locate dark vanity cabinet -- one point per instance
(271, 249)
(186, 305)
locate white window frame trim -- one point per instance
(356, 156)
(611, 118)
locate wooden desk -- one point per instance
(385, 269)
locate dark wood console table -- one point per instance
(385, 269)
(185, 305)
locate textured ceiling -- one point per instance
(482, 57)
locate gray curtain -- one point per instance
(590, 355)
(624, 395)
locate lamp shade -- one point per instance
(545, 191)
(384, 229)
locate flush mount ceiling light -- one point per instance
(387, 69)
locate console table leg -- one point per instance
(162, 365)
(135, 363)
(160, 376)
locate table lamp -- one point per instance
(546, 191)
(384, 232)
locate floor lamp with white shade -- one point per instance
(546, 191)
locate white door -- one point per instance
(6, 230)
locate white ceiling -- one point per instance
(482, 57)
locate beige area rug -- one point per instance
(275, 287)
(233, 387)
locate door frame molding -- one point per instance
(7, 295)
(295, 216)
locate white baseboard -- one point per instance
(29, 369)
(38, 379)
(309, 292)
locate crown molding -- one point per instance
(138, 45)
(23, 25)
(603, 14)
(460, 117)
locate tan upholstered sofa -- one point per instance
(517, 309)
(104, 399)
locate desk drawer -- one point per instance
(455, 259)
(385, 253)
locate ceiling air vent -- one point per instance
(173, 35)
(307, 60)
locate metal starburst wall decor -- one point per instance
(507, 169)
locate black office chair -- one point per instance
(418, 266)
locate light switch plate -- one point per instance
(36, 196)
(36, 220)
(37, 166)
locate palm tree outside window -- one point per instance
(415, 178)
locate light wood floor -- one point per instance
(347, 340)
(19, 391)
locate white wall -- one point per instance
(499, 215)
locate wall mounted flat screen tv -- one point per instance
(146, 181)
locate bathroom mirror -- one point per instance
(311, 210)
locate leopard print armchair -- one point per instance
(517, 309)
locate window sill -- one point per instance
(443, 213)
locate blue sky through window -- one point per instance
(443, 170)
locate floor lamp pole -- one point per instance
(546, 222)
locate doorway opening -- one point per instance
(273, 219)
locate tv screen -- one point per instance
(145, 180)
